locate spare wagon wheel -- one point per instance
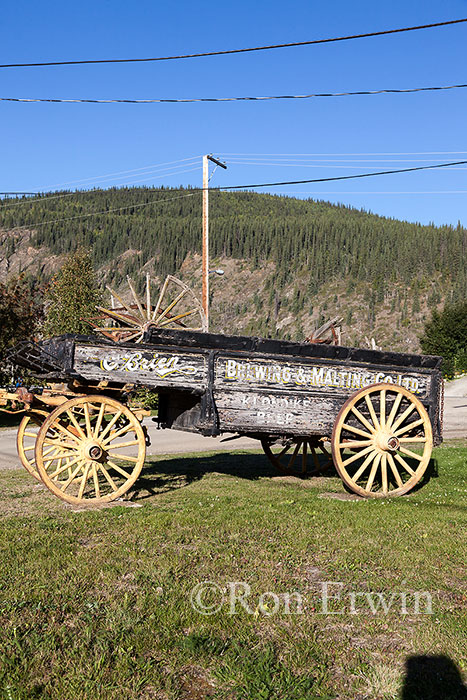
(173, 306)
(297, 456)
(389, 435)
(93, 464)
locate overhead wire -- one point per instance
(236, 51)
(249, 186)
(106, 211)
(265, 98)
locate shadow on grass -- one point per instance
(159, 476)
(432, 678)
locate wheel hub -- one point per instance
(387, 442)
(92, 450)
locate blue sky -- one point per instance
(46, 145)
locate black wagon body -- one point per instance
(380, 412)
(211, 383)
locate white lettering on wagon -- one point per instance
(149, 362)
(317, 376)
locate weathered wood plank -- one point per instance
(311, 376)
(152, 369)
(277, 412)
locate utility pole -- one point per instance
(205, 296)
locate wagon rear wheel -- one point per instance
(102, 450)
(298, 456)
(382, 441)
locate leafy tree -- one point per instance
(21, 312)
(72, 295)
(446, 335)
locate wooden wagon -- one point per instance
(378, 411)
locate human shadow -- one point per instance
(432, 678)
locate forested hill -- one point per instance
(289, 262)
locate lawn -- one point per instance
(97, 603)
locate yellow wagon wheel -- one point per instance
(297, 456)
(26, 440)
(102, 450)
(382, 441)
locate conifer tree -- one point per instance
(73, 295)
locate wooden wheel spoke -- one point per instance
(362, 468)
(171, 306)
(95, 478)
(110, 425)
(382, 408)
(394, 410)
(362, 419)
(28, 449)
(128, 458)
(87, 420)
(118, 434)
(65, 431)
(100, 416)
(129, 443)
(354, 458)
(384, 473)
(27, 434)
(174, 319)
(371, 410)
(84, 479)
(148, 297)
(71, 478)
(67, 466)
(409, 453)
(373, 471)
(159, 301)
(402, 461)
(401, 431)
(355, 443)
(118, 469)
(135, 297)
(393, 467)
(304, 453)
(294, 454)
(107, 476)
(402, 418)
(75, 423)
(357, 431)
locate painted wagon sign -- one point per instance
(264, 373)
(140, 367)
(277, 395)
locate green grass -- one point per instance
(96, 603)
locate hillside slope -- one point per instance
(288, 263)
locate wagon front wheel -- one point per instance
(382, 441)
(102, 450)
(26, 436)
(298, 456)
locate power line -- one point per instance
(386, 153)
(16, 193)
(233, 51)
(265, 98)
(107, 211)
(245, 187)
(342, 177)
